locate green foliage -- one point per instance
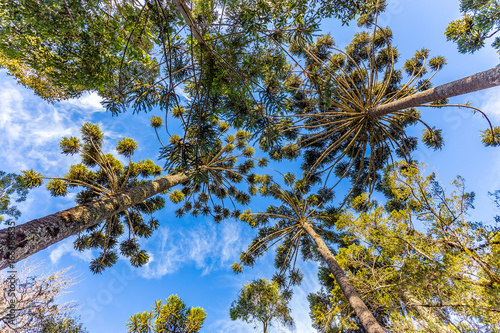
(491, 137)
(126, 147)
(57, 187)
(11, 186)
(480, 21)
(70, 146)
(156, 122)
(60, 324)
(261, 301)
(282, 226)
(331, 102)
(172, 317)
(176, 196)
(32, 178)
(433, 138)
(102, 175)
(63, 48)
(219, 166)
(419, 263)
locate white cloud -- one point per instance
(66, 247)
(491, 104)
(31, 128)
(89, 102)
(207, 245)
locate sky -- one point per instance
(192, 257)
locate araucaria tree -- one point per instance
(114, 196)
(171, 317)
(302, 222)
(101, 175)
(351, 108)
(262, 302)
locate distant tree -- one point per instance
(480, 21)
(11, 184)
(171, 317)
(419, 261)
(61, 324)
(261, 301)
(34, 298)
(301, 223)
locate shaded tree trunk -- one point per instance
(186, 14)
(479, 81)
(366, 318)
(20, 242)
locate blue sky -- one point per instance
(192, 257)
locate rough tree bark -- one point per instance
(366, 318)
(479, 81)
(21, 241)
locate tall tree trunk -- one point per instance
(368, 321)
(186, 14)
(20, 242)
(479, 81)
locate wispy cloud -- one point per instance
(90, 102)
(66, 247)
(207, 245)
(31, 128)
(491, 104)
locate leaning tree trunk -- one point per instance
(186, 14)
(20, 242)
(368, 321)
(479, 81)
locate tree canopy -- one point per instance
(418, 261)
(480, 21)
(262, 302)
(171, 317)
(233, 76)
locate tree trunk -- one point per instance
(479, 81)
(186, 14)
(369, 322)
(20, 242)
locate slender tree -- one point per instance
(261, 301)
(171, 317)
(303, 222)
